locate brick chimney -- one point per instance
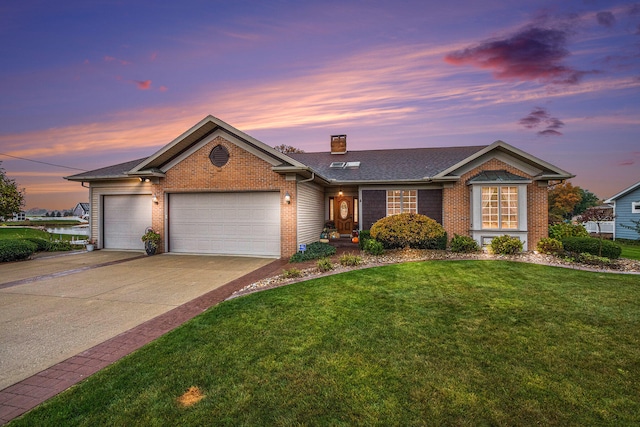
(338, 144)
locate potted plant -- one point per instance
(151, 240)
(91, 245)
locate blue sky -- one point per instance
(87, 84)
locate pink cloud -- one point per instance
(108, 58)
(530, 54)
(627, 163)
(539, 116)
(143, 85)
(163, 88)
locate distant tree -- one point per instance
(286, 149)
(598, 216)
(11, 197)
(563, 198)
(58, 214)
(587, 200)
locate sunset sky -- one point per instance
(87, 84)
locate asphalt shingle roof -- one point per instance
(113, 171)
(387, 165)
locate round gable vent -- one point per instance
(219, 156)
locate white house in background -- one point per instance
(20, 216)
(626, 207)
(82, 210)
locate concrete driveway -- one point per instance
(56, 307)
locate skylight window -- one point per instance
(352, 165)
(337, 165)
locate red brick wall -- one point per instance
(243, 172)
(457, 208)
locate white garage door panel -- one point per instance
(225, 223)
(125, 219)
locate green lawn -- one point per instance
(630, 250)
(432, 343)
(22, 232)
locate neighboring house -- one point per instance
(217, 190)
(605, 228)
(82, 210)
(20, 216)
(626, 207)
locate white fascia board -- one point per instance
(622, 193)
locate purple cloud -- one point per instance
(539, 116)
(530, 54)
(606, 19)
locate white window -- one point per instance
(402, 201)
(635, 207)
(500, 208)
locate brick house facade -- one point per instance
(254, 200)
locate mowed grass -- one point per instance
(21, 233)
(630, 250)
(431, 343)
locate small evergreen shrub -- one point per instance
(599, 261)
(291, 273)
(464, 244)
(506, 245)
(15, 250)
(550, 246)
(324, 265)
(409, 230)
(373, 247)
(350, 260)
(314, 250)
(363, 237)
(589, 245)
(42, 245)
(565, 229)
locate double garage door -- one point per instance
(225, 223)
(205, 223)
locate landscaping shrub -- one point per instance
(565, 229)
(15, 250)
(364, 236)
(314, 250)
(464, 244)
(599, 261)
(350, 260)
(60, 245)
(324, 265)
(42, 245)
(550, 246)
(409, 230)
(506, 245)
(589, 245)
(291, 273)
(373, 247)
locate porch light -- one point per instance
(340, 193)
(154, 199)
(287, 198)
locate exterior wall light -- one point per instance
(287, 198)
(154, 199)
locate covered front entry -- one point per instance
(225, 223)
(125, 218)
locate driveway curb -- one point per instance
(25, 395)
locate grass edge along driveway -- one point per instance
(436, 343)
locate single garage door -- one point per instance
(125, 219)
(225, 223)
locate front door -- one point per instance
(344, 214)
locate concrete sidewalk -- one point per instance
(64, 318)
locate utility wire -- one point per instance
(44, 163)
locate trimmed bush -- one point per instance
(42, 245)
(373, 247)
(324, 265)
(16, 250)
(314, 250)
(550, 246)
(506, 245)
(409, 230)
(464, 244)
(364, 235)
(599, 261)
(589, 245)
(565, 229)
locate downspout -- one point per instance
(313, 176)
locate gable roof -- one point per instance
(499, 176)
(623, 192)
(417, 165)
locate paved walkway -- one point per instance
(24, 395)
